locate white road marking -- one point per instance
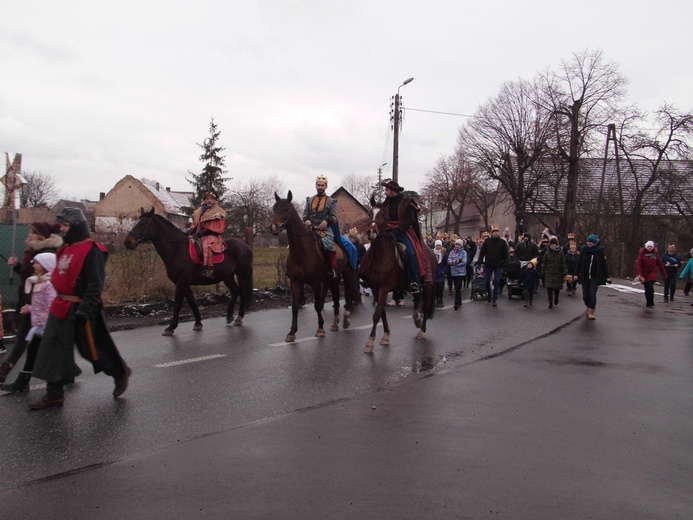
(191, 360)
(313, 338)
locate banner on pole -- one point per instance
(12, 180)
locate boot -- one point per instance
(5, 370)
(21, 384)
(332, 271)
(46, 402)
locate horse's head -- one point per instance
(281, 212)
(141, 232)
(378, 220)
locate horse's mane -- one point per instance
(166, 222)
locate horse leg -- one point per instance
(190, 297)
(246, 289)
(348, 276)
(334, 286)
(386, 326)
(233, 291)
(416, 315)
(377, 313)
(296, 291)
(177, 304)
(319, 296)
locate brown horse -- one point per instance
(383, 272)
(172, 245)
(306, 264)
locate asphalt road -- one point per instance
(501, 412)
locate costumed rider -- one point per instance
(76, 315)
(403, 224)
(320, 215)
(209, 223)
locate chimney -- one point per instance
(157, 186)
(168, 188)
(102, 195)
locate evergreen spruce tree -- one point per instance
(212, 176)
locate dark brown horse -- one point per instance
(172, 245)
(306, 264)
(383, 272)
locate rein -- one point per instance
(140, 237)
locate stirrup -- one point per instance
(206, 273)
(414, 288)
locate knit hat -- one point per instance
(47, 260)
(553, 240)
(649, 243)
(593, 238)
(438, 243)
(459, 242)
(43, 229)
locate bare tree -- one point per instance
(654, 180)
(506, 138)
(583, 94)
(249, 204)
(39, 191)
(359, 186)
(449, 185)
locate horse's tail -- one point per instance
(428, 305)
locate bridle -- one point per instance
(139, 238)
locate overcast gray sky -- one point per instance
(93, 91)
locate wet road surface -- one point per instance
(575, 419)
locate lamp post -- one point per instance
(396, 118)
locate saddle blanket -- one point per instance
(195, 255)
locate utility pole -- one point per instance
(396, 116)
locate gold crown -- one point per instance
(321, 178)
(494, 227)
(571, 236)
(353, 231)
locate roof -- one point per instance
(341, 190)
(168, 200)
(635, 177)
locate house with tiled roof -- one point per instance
(119, 209)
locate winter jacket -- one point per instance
(648, 263)
(494, 253)
(457, 260)
(529, 278)
(593, 264)
(554, 268)
(671, 264)
(441, 266)
(688, 270)
(526, 250)
(572, 262)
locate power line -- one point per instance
(436, 112)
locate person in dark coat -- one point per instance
(648, 265)
(554, 270)
(471, 248)
(528, 279)
(494, 255)
(672, 263)
(593, 272)
(572, 262)
(441, 266)
(76, 315)
(43, 237)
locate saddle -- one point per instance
(196, 253)
(401, 255)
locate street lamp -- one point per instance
(396, 116)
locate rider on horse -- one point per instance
(402, 222)
(320, 215)
(209, 223)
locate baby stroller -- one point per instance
(478, 284)
(513, 283)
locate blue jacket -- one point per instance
(688, 270)
(671, 263)
(440, 268)
(457, 260)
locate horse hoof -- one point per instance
(167, 332)
(238, 322)
(347, 321)
(320, 333)
(368, 349)
(421, 335)
(334, 328)
(385, 342)
(197, 327)
(290, 338)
